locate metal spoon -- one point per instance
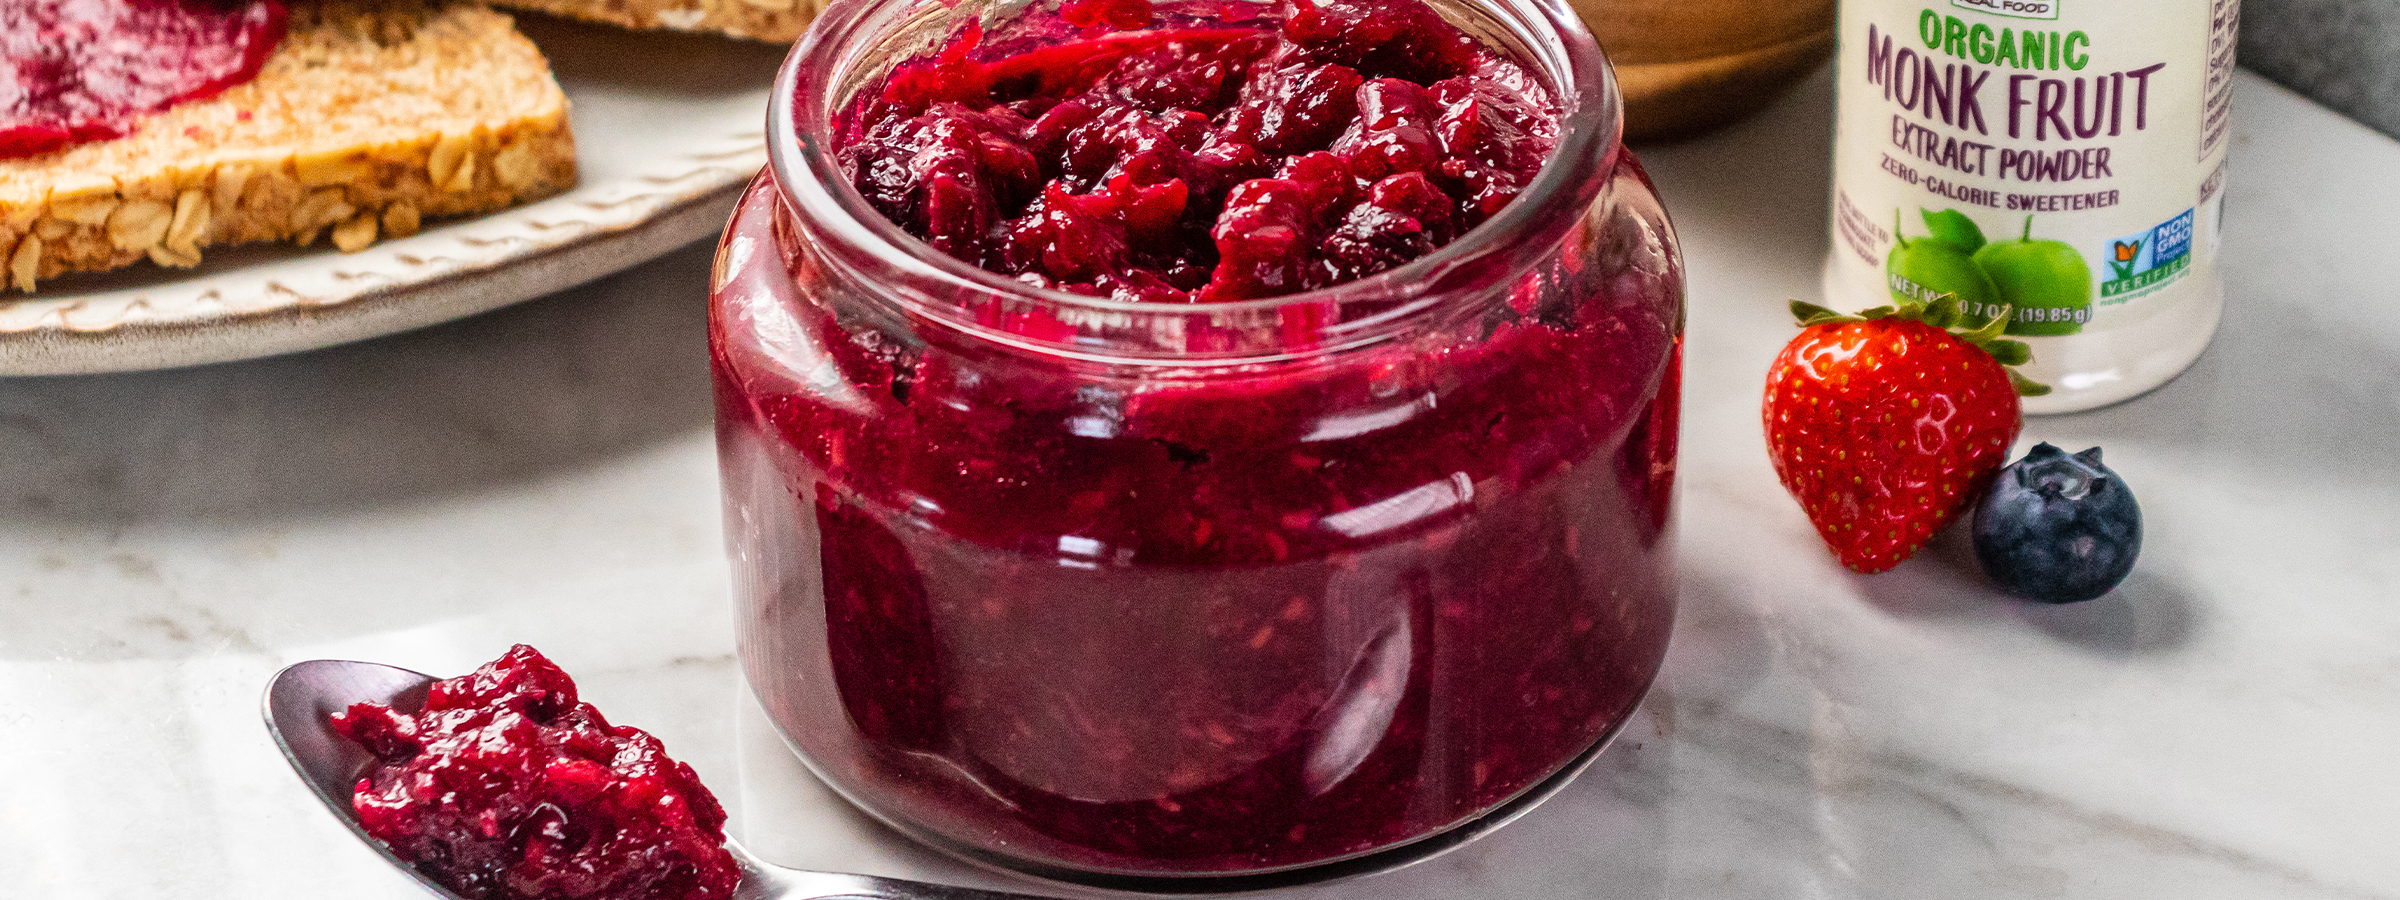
(303, 695)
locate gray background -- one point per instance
(2343, 53)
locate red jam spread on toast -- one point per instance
(86, 70)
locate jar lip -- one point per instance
(813, 181)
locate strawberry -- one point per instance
(1888, 423)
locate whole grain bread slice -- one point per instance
(780, 21)
(372, 116)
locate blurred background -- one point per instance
(2342, 53)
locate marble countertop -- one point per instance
(2219, 727)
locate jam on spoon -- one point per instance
(303, 699)
(507, 787)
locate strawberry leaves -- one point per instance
(1942, 313)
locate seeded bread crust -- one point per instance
(370, 118)
(780, 21)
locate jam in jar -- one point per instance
(1202, 445)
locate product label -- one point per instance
(2048, 157)
(2023, 9)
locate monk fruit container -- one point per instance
(2063, 160)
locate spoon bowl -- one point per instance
(302, 698)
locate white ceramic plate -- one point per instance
(667, 129)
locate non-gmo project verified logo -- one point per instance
(2022, 9)
(2146, 259)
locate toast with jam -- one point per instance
(767, 20)
(369, 117)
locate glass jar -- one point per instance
(1198, 596)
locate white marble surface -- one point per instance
(2217, 728)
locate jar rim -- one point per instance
(1559, 49)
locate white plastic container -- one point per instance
(2063, 157)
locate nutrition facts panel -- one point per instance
(2216, 89)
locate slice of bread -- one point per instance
(372, 116)
(780, 21)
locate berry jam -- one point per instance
(85, 70)
(1189, 590)
(1205, 159)
(506, 786)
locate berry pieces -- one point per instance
(1884, 425)
(1281, 149)
(2058, 528)
(506, 787)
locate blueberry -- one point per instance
(2058, 528)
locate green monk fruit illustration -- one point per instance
(1942, 262)
(2046, 282)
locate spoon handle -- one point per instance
(778, 883)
